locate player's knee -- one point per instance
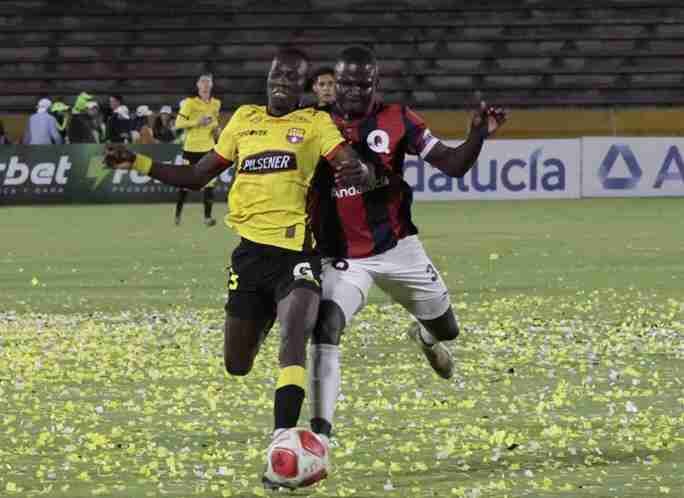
(330, 324)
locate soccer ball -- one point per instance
(296, 458)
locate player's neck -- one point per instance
(205, 98)
(278, 112)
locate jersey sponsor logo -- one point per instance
(354, 190)
(295, 135)
(378, 141)
(256, 133)
(272, 161)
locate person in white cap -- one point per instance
(142, 125)
(163, 128)
(42, 126)
(119, 123)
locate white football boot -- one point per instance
(439, 356)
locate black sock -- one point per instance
(288, 404)
(321, 426)
(182, 194)
(208, 199)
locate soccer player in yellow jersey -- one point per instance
(275, 270)
(199, 118)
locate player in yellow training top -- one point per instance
(199, 118)
(275, 272)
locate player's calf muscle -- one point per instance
(444, 327)
(297, 313)
(330, 324)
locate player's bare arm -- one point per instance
(456, 161)
(210, 166)
(349, 169)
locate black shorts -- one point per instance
(193, 157)
(261, 275)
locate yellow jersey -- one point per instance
(275, 160)
(198, 138)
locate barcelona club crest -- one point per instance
(295, 135)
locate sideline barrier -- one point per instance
(506, 169)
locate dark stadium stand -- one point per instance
(433, 54)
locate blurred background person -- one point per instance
(142, 126)
(97, 122)
(42, 126)
(80, 129)
(119, 122)
(60, 111)
(323, 87)
(163, 129)
(4, 139)
(199, 117)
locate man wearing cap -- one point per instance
(142, 126)
(199, 116)
(60, 111)
(119, 123)
(164, 131)
(42, 127)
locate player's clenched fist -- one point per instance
(487, 119)
(118, 157)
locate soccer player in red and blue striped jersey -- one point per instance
(366, 234)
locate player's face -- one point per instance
(324, 88)
(355, 86)
(204, 86)
(286, 82)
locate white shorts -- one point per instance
(405, 273)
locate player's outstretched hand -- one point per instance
(487, 119)
(351, 172)
(117, 156)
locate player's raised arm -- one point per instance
(210, 166)
(456, 161)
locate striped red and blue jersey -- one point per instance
(355, 222)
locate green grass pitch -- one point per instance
(570, 379)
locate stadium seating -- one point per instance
(434, 53)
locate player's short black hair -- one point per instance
(293, 52)
(118, 97)
(323, 70)
(358, 55)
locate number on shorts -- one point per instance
(432, 272)
(232, 280)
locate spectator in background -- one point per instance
(143, 123)
(323, 86)
(97, 124)
(4, 139)
(163, 128)
(119, 123)
(42, 126)
(60, 111)
(80, 129)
